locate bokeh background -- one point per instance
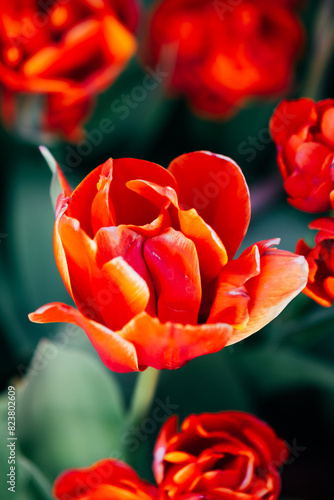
(70, 407)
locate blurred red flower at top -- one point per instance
(147, 256)
(65, 51)
(221, 53)
(304, 134)
(218, 456)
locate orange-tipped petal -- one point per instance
(211, 252)
(215, 186)
(283, 276)
(58, 248)
(115, 290)
(171, 345)
(80, 254)
(119, 292)
(123, 242)
(117, 353)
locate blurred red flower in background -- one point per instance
(320, 285)
(107, 479)
(223, 53)
(65, 51)
(152, 276)
(304, 134)
(228, 455)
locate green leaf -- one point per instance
(70, 410)
(28, 256)
(32, 485)
(55, 187)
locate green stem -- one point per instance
(323, 41)
(143, 396)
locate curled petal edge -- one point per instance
(133, 348)
(282, 277)
(116, 353)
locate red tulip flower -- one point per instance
(147, 256)
(223, 456)
(320, 285)
(108, 480)
(62, 53)
(304, 134)
(220, 54)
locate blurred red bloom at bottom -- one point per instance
(214, 456)
(320, 285)
(108, 479)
